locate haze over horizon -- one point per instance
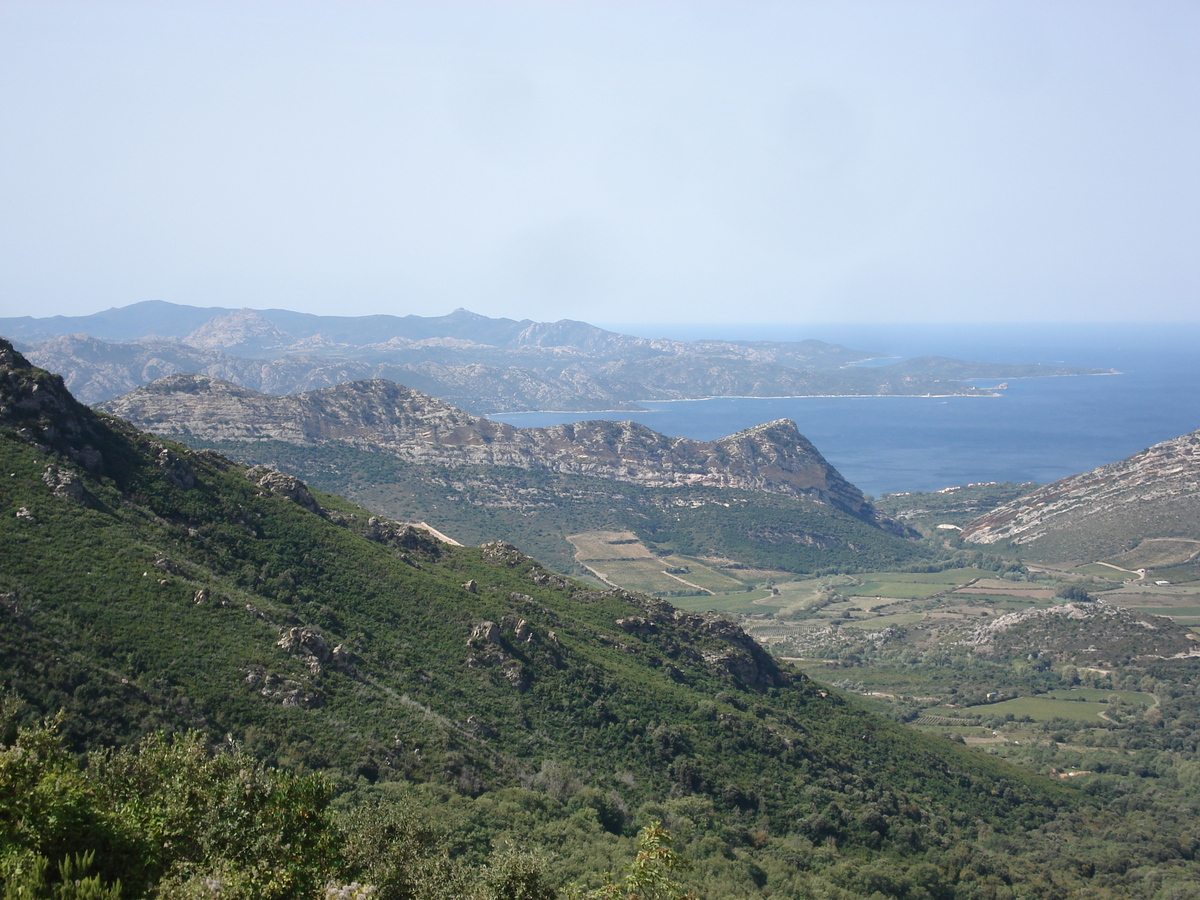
(609, 162)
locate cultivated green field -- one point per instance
(1180, 602)
(899, 590)
(867, 604)
(1134, 698)
(644, 576)
(1002, 602)
(703, 576)
(747, 603)
(620, 558)
(1060, 705)
(1175, 612)
(1098, 570)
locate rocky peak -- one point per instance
(777, 453)
(287, 486)
(576, 338)
(38, 407)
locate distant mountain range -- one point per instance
(1152, 494)
(475, 362)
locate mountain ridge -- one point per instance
(1152, 494)
(478, 363)
(382, 416)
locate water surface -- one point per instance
(1039, 429)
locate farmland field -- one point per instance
(1180, 602)
(1100, 570)
(875, 622)
(743, 604)
(620, 558)
(598, 545)
(1074, 705)
(899, 590)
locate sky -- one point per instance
(710, 162)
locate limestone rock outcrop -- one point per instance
(63, 483)
(287, 486)
(1152, 494)
(382, 416)
(309, 645)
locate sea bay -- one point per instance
(1038, 429)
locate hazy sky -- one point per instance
(606, 161)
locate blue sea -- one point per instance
(1039, 429)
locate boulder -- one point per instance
(63, 483)
(287, 486)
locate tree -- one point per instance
(649, 875)
(168, 814)
(1073, 592)
(52, 825)
(219, 817)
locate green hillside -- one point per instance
(471, 697)
(538, 510)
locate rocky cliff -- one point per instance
(1152, 494)
(383, 416)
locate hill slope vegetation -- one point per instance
(149, 586)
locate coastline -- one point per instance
(610, 412)
(982, 392)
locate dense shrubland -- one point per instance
(225, 686)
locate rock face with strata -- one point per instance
(382, 416)
(1152, 494)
